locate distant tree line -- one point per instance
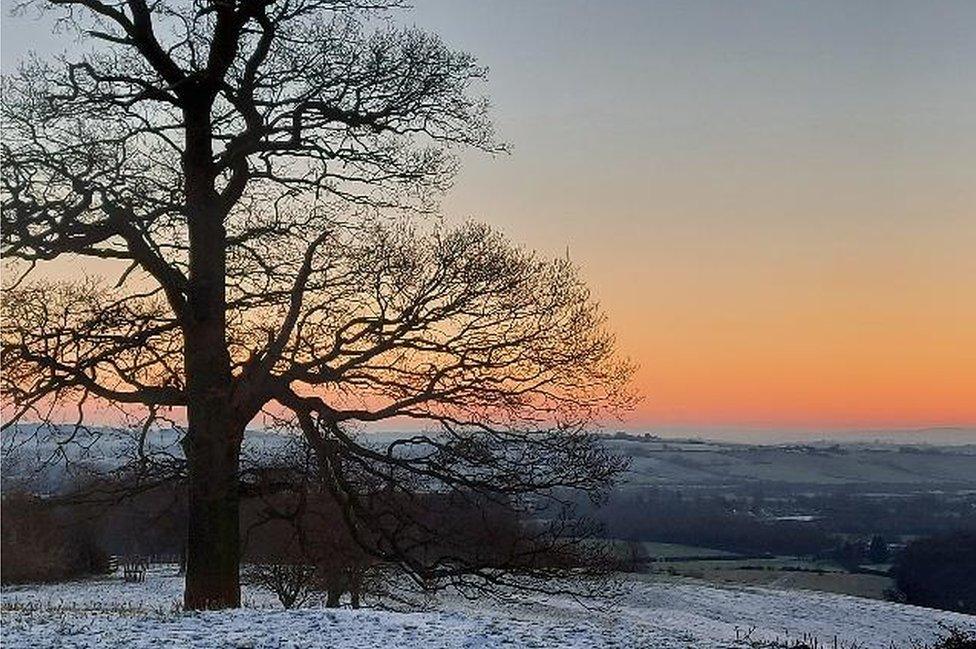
(853, 529)
(706, 521)
(891, 515)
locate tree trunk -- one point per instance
(212, 448)
(333, 598)
(213, 441)
(213, 533)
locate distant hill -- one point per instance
(658, 461)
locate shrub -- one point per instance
(939, 572)
(952, 637)
(291, 582)
(43, 541)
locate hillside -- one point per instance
(651, 613)
(655, 461)
(662, 462)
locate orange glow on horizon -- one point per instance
(833, 349)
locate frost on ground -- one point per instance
(652, 613)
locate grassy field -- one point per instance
(721, 567)
(660, 551)
(782, 572)
(870, 586)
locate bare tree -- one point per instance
(251, 165)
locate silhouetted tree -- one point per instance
(850, 554)
(878, 549)
(234, 157)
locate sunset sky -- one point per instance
(774, 201)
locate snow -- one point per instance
(652, 613)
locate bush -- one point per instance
(952, 638)
(42, 541)
(939, 572)
(291, 582)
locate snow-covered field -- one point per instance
(651, 613)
